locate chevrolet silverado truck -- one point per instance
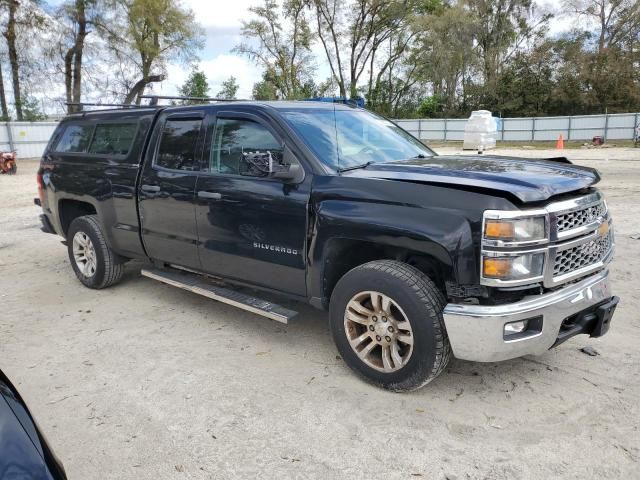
(417, 257)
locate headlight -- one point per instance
(515, 230)
(525, 266)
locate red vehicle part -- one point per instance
(8, 163)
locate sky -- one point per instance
(221, 21)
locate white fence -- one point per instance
(28, 138)
(617, 126)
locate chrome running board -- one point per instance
(199, 284)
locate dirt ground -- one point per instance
(145, 381)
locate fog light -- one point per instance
(515, 327)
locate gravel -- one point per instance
(145, 381)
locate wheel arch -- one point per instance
(70, 209)
(346, 233)
(343, 254)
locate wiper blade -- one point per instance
(420, 155)
(355, 167)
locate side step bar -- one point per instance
(199, 284)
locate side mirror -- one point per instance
(265, 164)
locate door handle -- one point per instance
(150, 188)
(209, 195)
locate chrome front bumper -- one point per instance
(476, 332)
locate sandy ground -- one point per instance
(145, 381)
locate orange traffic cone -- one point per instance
(560, 143)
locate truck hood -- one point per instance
(529, 180)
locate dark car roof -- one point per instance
(275, 105)
(135, 112)
(300, 104)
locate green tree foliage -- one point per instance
(525, 85)
(407, 58)
(500, 27)
(31, 110)
(195, 86)
(264, 90)
(445, 47)
(154, 32)
(229, 89)
(429, 106)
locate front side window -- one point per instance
(239, 144)
(343, 138)
(178, 144)
(113, 138)
(75, 139)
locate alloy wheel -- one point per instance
(378, 331)
(84, 254)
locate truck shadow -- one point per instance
(308, 336)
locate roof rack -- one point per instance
(357, 101)
(88, 104)
(153, 99)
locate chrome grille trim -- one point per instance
(583, 255)
(575, 217)
(579, 218)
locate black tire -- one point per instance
(109, 266)
(421, 301)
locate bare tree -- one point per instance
(21, 15)
(3, 97)
(10, 36)
(351, 35)
(283, 45)
(617, 20)
(81, 15)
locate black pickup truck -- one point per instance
(416, 256)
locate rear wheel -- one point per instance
(93, 262)
(386, 320)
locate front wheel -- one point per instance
(93, 262)
(386, 320)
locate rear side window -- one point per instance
(178, 143)
(113, 138)
(75, 139)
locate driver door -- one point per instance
(251, 227)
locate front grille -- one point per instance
(584, 255)
(579, 218)
(573, 247)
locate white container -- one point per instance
(480, 131)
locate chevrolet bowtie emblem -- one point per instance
(603, 229)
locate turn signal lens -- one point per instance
(497, 267)
(498, 229)
(525, 266)
(515, 230)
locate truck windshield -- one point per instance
(348, 138)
